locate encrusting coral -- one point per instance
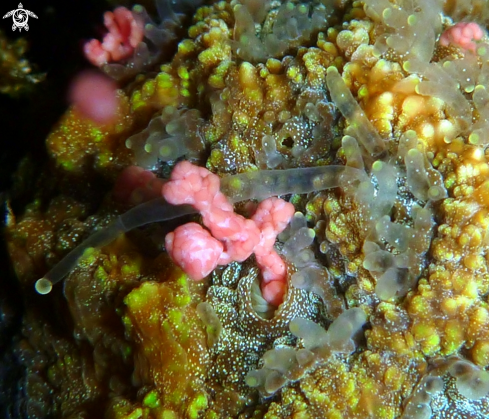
(369, 118)
(16, 73)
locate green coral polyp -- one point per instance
(132, 269)
(137, 101)
(101, 275)
(148, 88)
(176, 317)
(197, 405)
(152, 399)
(138, 297)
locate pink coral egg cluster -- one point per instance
(238, 236)
(94, 96)
(193, 185)
(194, 250)
(271, 217)
(126, 31)
(463, 35)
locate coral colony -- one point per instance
(273, 209)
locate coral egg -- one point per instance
(94, 96)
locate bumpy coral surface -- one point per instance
(386, 313)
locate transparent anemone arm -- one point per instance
(266, 183)
(152, 211)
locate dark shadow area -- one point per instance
(55, 42)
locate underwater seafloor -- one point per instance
(386, 311)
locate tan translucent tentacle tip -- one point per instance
(44, 286)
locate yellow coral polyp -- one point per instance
(427, 131)
(413, 106)
(164, 81)
(480, 353)
(464, 303)
(459, 280)
(473, 262)
(471, 236)
(148, 88)
(449, 306)
(392, 379)
(186, 47)
(169, 414)
(424, 331)
(216, 79)
(481, 316)
(454, 336)
(430, 345)
(401, 345)
(481, 194)
(215, 55)
(241, 119)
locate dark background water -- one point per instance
(55, 48)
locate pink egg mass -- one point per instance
(94, 96)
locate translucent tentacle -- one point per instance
(149, 212)
(266, 183)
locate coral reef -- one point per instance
(16, 73)
(370, 118)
